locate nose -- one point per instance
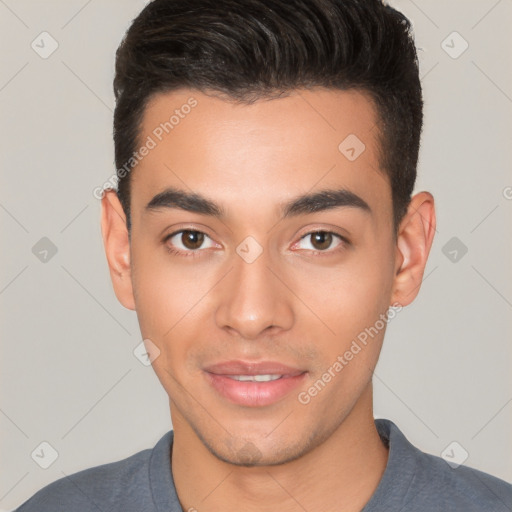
(254, 302)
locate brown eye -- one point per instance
(192, 239)
(188, 242)
(323, 241)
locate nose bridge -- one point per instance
(252, 298)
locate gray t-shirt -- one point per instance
(413, 481)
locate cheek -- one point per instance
(170, 301)
(165, 312)
(349, 296)
(157, 289)
(354, 307)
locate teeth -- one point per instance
(255, 378)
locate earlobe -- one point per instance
(117, 247)
(414, 242)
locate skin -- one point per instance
(297, 304)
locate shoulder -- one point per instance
(459, 488)
(121, 485)
(428, 482)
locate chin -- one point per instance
(246, 453)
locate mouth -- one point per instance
(255, 378)
(253, 384)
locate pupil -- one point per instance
(323, 239)
(192, 239)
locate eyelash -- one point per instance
(193, 254)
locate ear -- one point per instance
(117, 247)
(414, 240)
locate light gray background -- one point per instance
(68, 374)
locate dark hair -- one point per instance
(252, 49)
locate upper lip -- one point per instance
(252, 368)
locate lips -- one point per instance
(248, 368)
(253, 384)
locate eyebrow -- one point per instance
(327, 199)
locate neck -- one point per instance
(342, 473)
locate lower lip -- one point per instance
(254, 394)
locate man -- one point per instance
(266, 154)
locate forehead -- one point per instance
(260, 154)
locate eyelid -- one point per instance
(180, 229)
(183, 253)
(344, 241)
(311, 231)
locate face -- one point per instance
(252, 297)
